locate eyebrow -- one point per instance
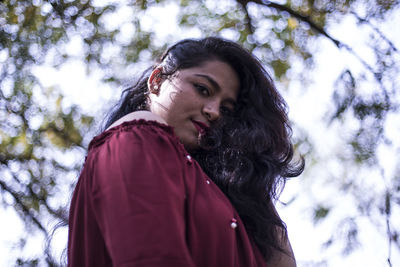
(215, 85)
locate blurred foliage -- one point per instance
(320, 213)
(38, 132)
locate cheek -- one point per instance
(174, 96)
(170, 93)
(177, 97)
(180, 99)
(166, 99)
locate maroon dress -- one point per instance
(141, 200)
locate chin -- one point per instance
(191, 146)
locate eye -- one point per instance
(202, 89)
(226, 110)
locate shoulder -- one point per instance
(138, 115)
(143, 125)
(138, 133)
(141, 147)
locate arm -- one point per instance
(138, 199)
(279, 258)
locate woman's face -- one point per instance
(194, 98)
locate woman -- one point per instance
(188, 168)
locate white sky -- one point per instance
(306, 108)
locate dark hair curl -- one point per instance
(248, 154)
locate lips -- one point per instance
(200, 126)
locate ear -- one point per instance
(154, 81)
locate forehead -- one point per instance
(222, 73)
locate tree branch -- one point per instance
(56, 6)
(24, 208)
(318, 29)
(60, 213)
(295, 14)
(249, 25)
(365, 21)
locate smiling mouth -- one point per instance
(201, 127)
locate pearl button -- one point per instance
(233, 223)
(208, 182)
(189, 158)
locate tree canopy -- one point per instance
(43, 139)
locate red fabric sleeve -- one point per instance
(138, 198)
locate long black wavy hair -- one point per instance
(248, 154)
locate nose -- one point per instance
(211, 111)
